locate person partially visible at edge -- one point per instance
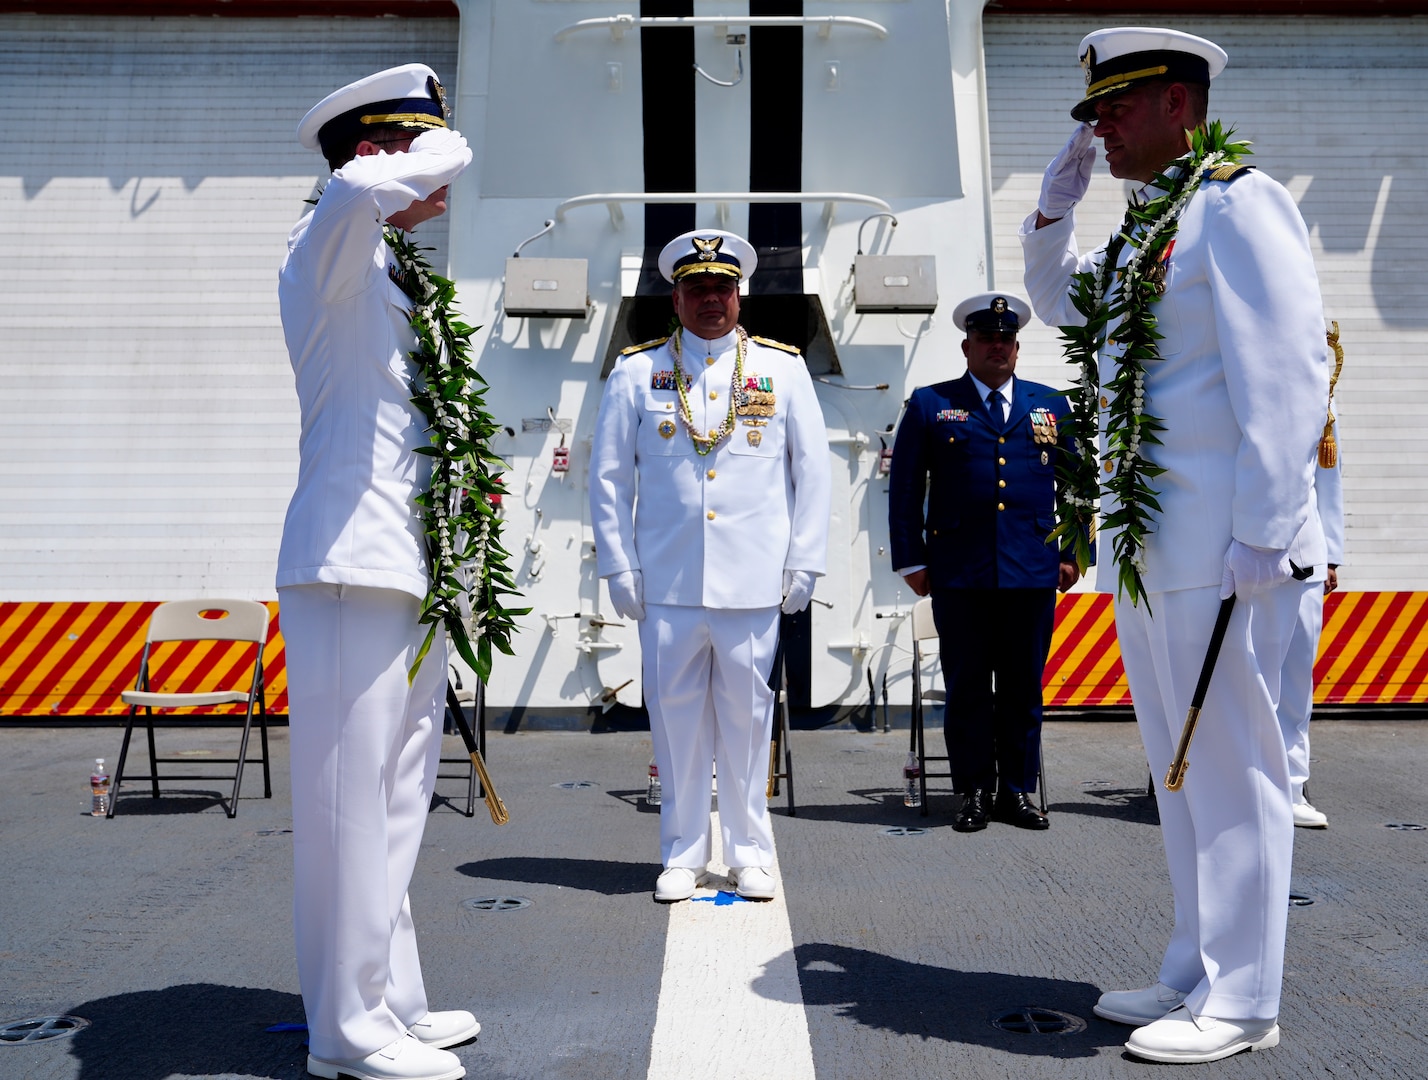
(987, 445)
(709, 499)
(352, 573)
(1296, 697)
(1239, 381)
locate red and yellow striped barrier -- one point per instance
(74, 659)
(1372, 652)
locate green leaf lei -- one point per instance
(1137, 287)
(468, 565)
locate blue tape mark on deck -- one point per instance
(286, 1027)
(722, 899)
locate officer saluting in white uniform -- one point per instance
(723, 437)
(352, 573)
(1217, 290)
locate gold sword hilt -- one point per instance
(1175, 775)
(499, 814)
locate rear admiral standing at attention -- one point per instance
(709, 499)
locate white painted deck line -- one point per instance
(729, 999)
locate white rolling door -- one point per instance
(1334, 108)
(148, 425)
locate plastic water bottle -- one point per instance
(912, 781)
(98, 790)
(654, 794)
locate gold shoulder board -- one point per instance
(771, 343)
(643, 346)
(1228, 172)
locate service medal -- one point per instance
(666, 429)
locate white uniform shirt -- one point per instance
(352, 519)
(715, 531)
(1241, 382)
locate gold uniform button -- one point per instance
(1001, 483)
(1001, 506)
(711, 515)
(1104, 403)
(1001, 461)
(708, 360)
(1001, 438)
(713, 395)
(951, 438)
(711, 474)
(1108, 466)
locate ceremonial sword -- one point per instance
(499, 814)
(1175, 776)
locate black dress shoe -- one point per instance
(1014, 808)
(973, 815)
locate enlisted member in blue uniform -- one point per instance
(988, 444)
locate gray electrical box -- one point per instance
(551, 288)
(895, 284)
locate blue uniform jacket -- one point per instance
(992, 502)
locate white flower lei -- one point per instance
(1128, 426)
(468, 565)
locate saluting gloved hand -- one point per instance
(1250, 569)
(440, 141)
(1068, 175)
(627, 593)
(797, 590)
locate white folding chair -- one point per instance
(199, 621)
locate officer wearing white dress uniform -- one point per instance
(1296, 700)
(709, 499)
(1239, 380)
(352, 573)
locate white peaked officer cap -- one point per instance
(1119, 57)
(996, 312)
(408, 97)
(707, 251)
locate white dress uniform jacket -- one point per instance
(352, 520)
(1241, 383)
(715, 531)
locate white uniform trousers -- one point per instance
(1296, 700)
(365, 750)
(706, 685)
(1228, 832)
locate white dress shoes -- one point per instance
(1306, 817)
(753, 882)
(676, 883)
(405, 1059)
(1137, 1007)
(1182, 1038)
(442, 1029)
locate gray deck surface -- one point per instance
(168, 927)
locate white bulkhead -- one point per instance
(553, 97)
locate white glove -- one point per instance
(797, 590)
(441, 141)
(1249, 570)
(627, 593)
(1067, 176)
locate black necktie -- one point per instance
(994, 405)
